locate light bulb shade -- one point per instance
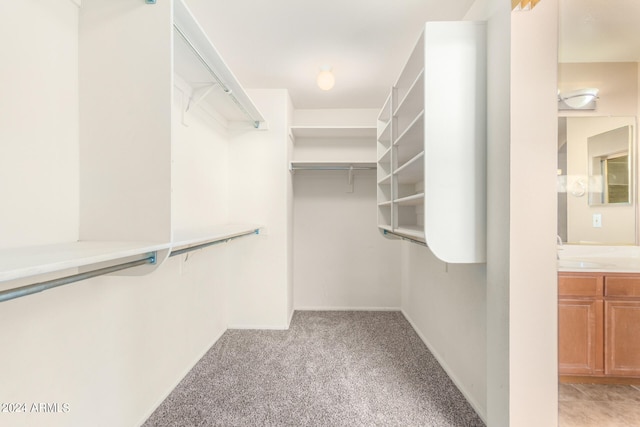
(326, 80)
(581, 99)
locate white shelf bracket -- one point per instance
(350, 186)
(199, 94)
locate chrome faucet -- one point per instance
(559, 241)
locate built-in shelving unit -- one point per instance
(125, 99)
(431, 144)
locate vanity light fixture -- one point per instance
(581, 99)
(325, 79)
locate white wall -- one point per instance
(533, 375)
(498, 214)
(125, 120)
(446, 305)
(341, 260)
(199, 169)
(38, 122)
(260, 179)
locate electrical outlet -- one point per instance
(597, 220)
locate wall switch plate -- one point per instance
(597, 220)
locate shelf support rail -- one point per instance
(34, 288)
(255, 122)
(214, 242)
(405, 238)
(331, 168)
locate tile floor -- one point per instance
(599, 405)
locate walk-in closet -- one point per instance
(192, 234)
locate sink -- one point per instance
(568, 263)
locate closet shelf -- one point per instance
(332, 166)
(197, 238)
(199, 64)
(413, 200)
(386, 156)
(415, 232)
(18, 263)
(334, 132)
(386, 180)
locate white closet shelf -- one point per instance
(386, 156)
(385, 135)
(334, 132)
(17, 263)
(413, 200)
(199, 64)
(386, 180)
(184, 239)
(414, 232)
(385, 112)
(303, 165)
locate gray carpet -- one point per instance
(329, 369)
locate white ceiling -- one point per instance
(599, 31)
(283, 43)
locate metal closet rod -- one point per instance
(34, 288)
(332, 168)
(256, 123)
(215, 242)
(408, 239)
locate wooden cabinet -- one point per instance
(599, 324)
(622, 326)
(580, 325)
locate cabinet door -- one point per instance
(622, 342)
(580, 336)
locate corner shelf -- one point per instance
(435, 117)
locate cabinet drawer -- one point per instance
(580, 285)
(622, 286)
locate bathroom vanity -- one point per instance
(599, 318)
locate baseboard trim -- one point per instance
(474, 404)
(325, 308)
(293, 311)
(181, 377)
(260, 327)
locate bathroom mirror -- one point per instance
(610, 168)
(596, 180)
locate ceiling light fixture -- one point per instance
(581, 99)
(325, 79)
